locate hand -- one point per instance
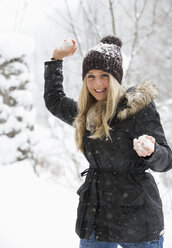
(60, 53)
(143, 147)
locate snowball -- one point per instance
(138, 143)
(67, 43)
(146, 141)
(138, 146)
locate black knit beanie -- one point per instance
(106, 56)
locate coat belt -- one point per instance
(99, 170)
(85, 172)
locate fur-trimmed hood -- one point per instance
(136, 99)
(133, 100)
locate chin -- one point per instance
(101, 98)
(98, 98)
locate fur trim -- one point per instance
(138, 99)
(91, 116)
(90, 121)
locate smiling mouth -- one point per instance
(99, 91)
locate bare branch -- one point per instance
(134, 39)
(74, 29)
(143, 9)
(57, 11)
(68, 28)
(154, 12)
(102, 2)
(136, 48)
(111, 2)
(90, 21)
(60, 24)
(127, 12)
(20, 15)
(153, 28)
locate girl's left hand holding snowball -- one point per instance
(144, 145)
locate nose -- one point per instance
(97, 82)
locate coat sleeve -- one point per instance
(55, 99)
(148, 122)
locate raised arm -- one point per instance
(55, 99)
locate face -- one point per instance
(97, 83)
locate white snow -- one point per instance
(107, 49)
(33, 212)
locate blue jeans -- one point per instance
(91, 243)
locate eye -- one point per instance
(90, 76)
(104, 75)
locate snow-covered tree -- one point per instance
(16, 105)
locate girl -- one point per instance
(120, 134)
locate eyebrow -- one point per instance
(104, 72)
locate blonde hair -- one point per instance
(105, 111)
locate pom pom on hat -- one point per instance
(105, 56)
(112, 40)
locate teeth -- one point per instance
(99, 90)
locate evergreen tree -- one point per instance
(16, 110)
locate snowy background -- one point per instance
(40, 168)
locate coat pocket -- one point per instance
(83, 191)
(80, 189)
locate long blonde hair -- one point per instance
(105, 110)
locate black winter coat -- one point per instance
(119, 199)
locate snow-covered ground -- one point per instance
(37, 213)
(33, 212)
